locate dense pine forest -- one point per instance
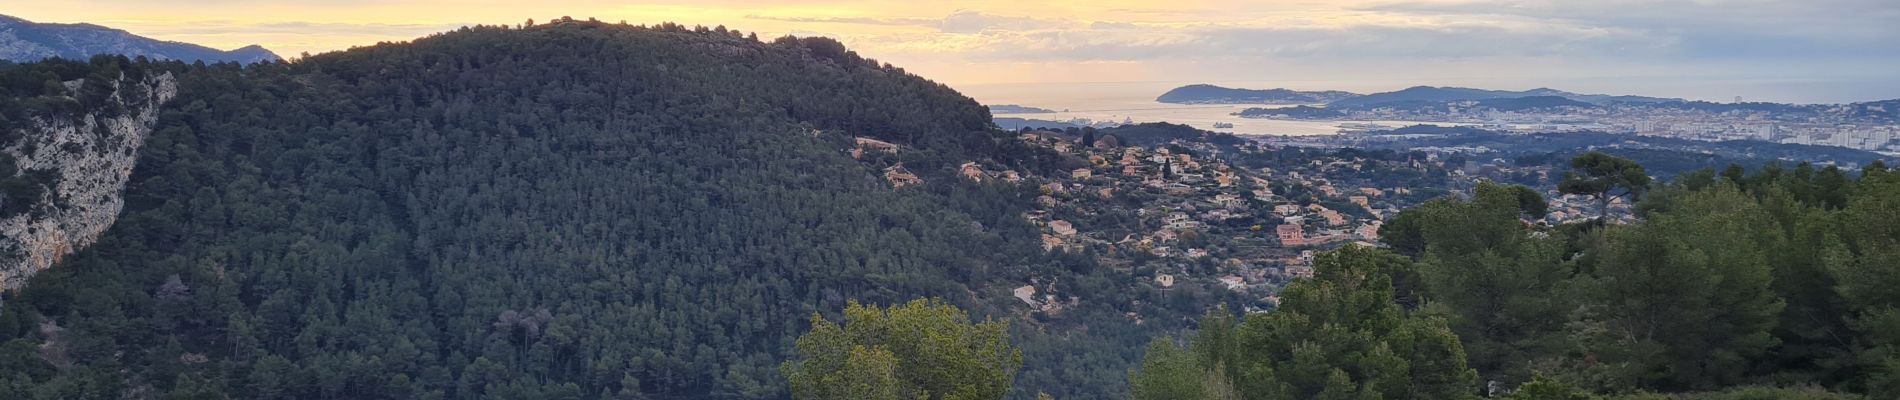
(583, 210)
(571, 210)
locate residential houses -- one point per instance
(1184, 212)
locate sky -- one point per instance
(1763, 50)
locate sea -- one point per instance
(1118, 102)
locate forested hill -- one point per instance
(567, 210)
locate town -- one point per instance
(1226, 213)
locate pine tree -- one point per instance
(1604, 177)
(1494, 277)
(1168, 373)
(920, 349)
(1340, 334)
(1867, 264)
(1690, 290)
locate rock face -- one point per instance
(27, 41)
(90, 156)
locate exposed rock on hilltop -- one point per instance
(75, 164)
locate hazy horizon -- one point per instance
(1826, 51)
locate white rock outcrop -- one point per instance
(93, 156)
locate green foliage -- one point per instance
(923, 349)
(1492, 276)
(1405, 233)
(1687, 298)
(1784, 277)
(1604, 177)
(1338, 335)
(1529, 202)
(1544, 388)
(1749, 393)
(1867, 263)
(1168, 373)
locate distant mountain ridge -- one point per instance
(1435, 94)
(1426, 106)
(27, 41)
(1210, 94)
(1018, 109)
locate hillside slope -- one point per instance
(573, 210)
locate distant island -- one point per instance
(1210, 94)
(1506, 104)
(1018, 109)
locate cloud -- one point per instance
(967, 21)
(961, 22)
(1823, 38)
(1454, 41)
(853, 20)
(1113, 41)
(1717, 29)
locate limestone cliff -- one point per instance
(73, 165)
